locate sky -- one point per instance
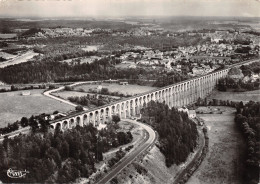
(122, 8)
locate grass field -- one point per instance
(13, 106)
(66, 94)
(237, 96)
(125, 89)
(224, 161)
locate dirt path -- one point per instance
(224, 161)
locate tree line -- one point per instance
(37, 123)
(88, 100)
(15, 88)
(248, 120)
(177, 133)
(238, 86)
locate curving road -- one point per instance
(48, 94)
(149, 141)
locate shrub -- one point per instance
(79, 108)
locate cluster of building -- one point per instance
(253, 78)
(201, 59)
(237, 74)
(57, 32)
(141, 31)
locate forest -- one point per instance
(177, 133)
(58, 157)
(248, 120)
(51, 70)
(154, 41)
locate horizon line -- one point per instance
(125, 16)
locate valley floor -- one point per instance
(224, 161)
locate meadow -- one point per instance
(113, 87)
(14, 106)
(224, 161)
(66, 94)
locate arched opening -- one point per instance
(91, 118)
(107, 114)
(102, 115)
(163, 97)
(72, 123)
(113, 110)
(96, 118)
(148, 98)
(152, 96)
(85, 119)
(122, 109)
(65, 125)
(127, 109)
(118, 110)
(144, 101)
(58, 127)
(78, 121)
(136, 106)
(160, 96)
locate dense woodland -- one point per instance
(58, 157)
(49, 71)
(177, 133)
(248, 120)
(155, 42)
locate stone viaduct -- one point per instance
(175, 95)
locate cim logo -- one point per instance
(16, 173)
